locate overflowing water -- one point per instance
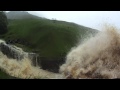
(21, 66)
(97, 57)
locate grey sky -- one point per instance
(93, 19)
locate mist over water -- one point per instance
(97, 57)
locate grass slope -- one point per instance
(3, 75)
(50, 38)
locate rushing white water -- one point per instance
(97, 57)
(22, 68)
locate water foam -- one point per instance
(97, 57)
(22, 68)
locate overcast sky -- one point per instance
(93, 19)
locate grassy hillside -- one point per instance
(49, 38)
(3, 75)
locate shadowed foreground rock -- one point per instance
(51, 64)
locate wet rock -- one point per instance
(18, 41)
(34, 58)
(11, 52)
(50, 64)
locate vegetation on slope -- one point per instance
(3, 23)
(4, 75)
(49, 38)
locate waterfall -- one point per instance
(15, 62)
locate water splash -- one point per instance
(21, 67)
(97, 57)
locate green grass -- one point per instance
(4, 75)
(48, 38)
